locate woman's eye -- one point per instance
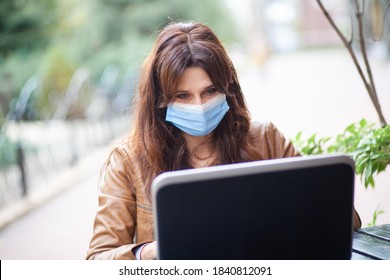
(182, 96)
(211, 91)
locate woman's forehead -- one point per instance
(193, 78)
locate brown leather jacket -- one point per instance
(124, 218)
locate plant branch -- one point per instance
(370, 87)
(347, 43)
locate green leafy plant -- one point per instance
(366, 143)
(311, 146)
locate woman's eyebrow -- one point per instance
(210, 86)
(182, 91)
(187, 91)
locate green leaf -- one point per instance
(351, 129)
(363, 123)
(382, 166)
(368, 175)
(377, 212)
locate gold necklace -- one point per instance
(206, 163)
(202, 162)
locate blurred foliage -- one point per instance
(57, 70)
(53, 38)
(377, 212)
(7, 151)
(366, 143)
(25, 25)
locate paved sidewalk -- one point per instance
(55, 225)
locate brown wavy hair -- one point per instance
(158, 145)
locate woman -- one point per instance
(189, 113)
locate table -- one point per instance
(371, 243)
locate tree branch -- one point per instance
(348, 44)
(371, 89)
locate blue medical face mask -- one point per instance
(198, 120)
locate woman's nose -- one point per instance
(198, 100)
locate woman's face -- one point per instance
(194, 87)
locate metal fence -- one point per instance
(32, 150)
(44, 149)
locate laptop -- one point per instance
(292, 208)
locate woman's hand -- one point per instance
(149, 252)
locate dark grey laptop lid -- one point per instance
(293, 208)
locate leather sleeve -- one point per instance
(115, 221)
(357, 223)
(272, 142)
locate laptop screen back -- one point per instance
(297, 208)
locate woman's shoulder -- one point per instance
(118, 169)
(120, 153)
(122, 148)
(271, 141)
(262, 128)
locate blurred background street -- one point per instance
(60, 228)
(65, 98)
